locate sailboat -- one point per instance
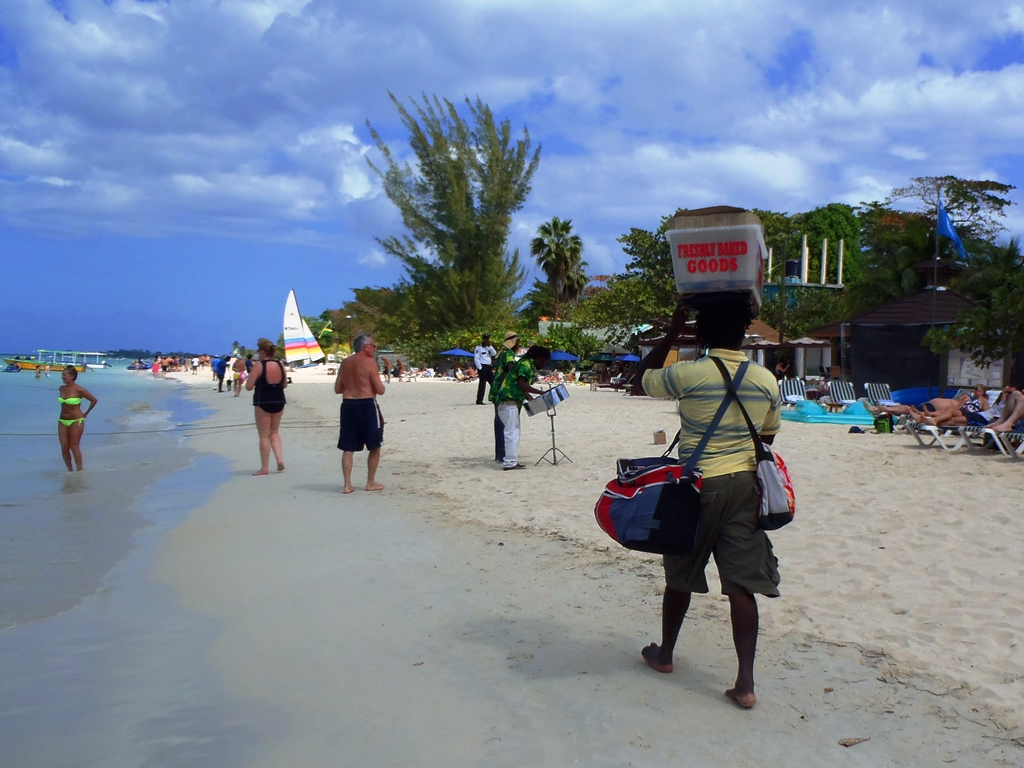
(300, 348)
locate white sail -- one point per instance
(294, 337)
(312, 347)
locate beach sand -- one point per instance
(470, 616)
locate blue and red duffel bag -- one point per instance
(652, 506)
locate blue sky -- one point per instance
(169, 170)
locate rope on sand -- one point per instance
(178, 428)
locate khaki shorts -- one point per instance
(728, 529)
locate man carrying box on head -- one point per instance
(730, 493)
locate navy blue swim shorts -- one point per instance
(361, 425)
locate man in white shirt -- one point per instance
(483, 354)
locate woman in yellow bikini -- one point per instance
(71, 423)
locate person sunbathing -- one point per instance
(933, 408)
(1012, 417)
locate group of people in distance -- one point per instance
(967, 409)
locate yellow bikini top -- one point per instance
(69, 400)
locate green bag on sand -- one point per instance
(883, 425)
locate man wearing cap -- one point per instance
(482, 356)
(516, 388)
(502, 365)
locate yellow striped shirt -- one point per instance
(698, 388)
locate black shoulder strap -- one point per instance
(729, 395)
(759, 449)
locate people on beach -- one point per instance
(237, 371)
(782, 369)
(385, 369)
(1011, 419)
(71, 424)
(483, 354)
(267, 383)
(195, 366)
(502, 365)
(516, 388)
(220, 367)
(362, 425)
(730, 491)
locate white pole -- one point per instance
(840, 280)
(798, 363)
(769, 263)
(804, 258)
(824, 258)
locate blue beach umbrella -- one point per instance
(628, 359)
(456, 353)
(558, 356)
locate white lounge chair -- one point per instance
(879, 394)
(792, 391)
(842, 392)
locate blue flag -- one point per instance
(945, 228)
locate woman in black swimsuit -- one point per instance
(268, 379)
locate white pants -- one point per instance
(508, 412)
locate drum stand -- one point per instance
(556, 453)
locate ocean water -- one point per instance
(64, 531)
(100, 667)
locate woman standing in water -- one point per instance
(71, 423)
(268, 379)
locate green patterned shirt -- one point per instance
(509, 389)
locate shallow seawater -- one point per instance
(100, 667)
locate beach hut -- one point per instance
(885, 344)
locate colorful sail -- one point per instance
(299, 345)
(312, 347)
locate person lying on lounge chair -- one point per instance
(937, 407)
(1012, 417)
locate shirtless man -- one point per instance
(359, 383)
(936, 409)
(237, 369)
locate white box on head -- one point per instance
(717, 250)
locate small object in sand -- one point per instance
(856, 431)
(501, 543)
(852, 742)
(418, 664)
(659, 437)
(829, 689)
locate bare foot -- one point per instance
(374, 487)
(348, 489)
(261, 472)
(1000, 428)
(280, 467)
(745, 700)
(652, 655)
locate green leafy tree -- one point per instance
(995, 327)
(457, 204)
(974, 206)
(806, 308)
(538, 302)
(893, 243)
(559, 254)
(833, 222)
(573, 338)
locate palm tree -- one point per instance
(559, 255)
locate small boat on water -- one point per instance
(59, 358)
(301, 350)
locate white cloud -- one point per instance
(374, 258)
(246, 119)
